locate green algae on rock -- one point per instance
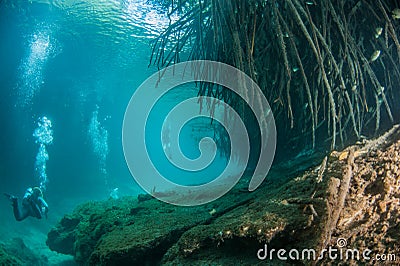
(352, 196)
(126, 230)
(8, 259)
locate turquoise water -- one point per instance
(77, 63)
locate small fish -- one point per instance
(295, 69)
(396, 13)
(375, 55)
(212, 212)
(378, 32)
(310, 3)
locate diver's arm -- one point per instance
(43, 202)
(44, 207)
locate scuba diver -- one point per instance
(32, 204)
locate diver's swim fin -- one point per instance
(10, 197)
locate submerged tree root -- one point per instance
(323, 54)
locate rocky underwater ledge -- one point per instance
(348, 202)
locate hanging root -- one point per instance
(313, 62)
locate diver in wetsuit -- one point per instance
(32, 204)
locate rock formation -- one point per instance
(346, 203)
